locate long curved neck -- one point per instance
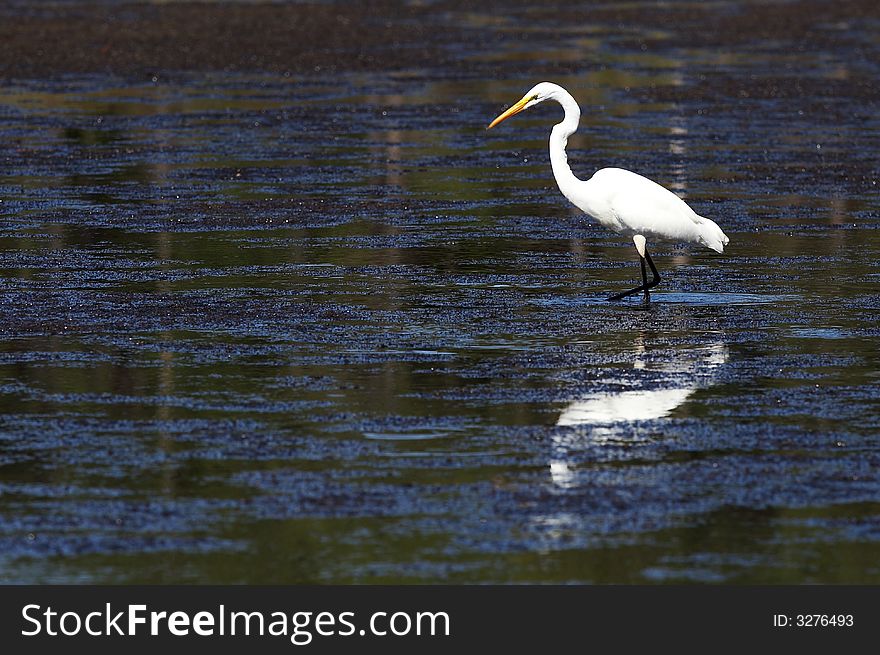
(559, 139)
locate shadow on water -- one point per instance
(277, 325)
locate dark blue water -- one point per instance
(258, 327)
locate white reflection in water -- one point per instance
(608, 416)
(624, 406)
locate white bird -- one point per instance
(619, 199)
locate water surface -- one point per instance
(288, 326)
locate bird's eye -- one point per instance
(535, 97)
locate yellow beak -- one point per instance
(513, 111)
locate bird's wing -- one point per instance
(642, 206)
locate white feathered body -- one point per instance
(619, 199)
(631, 204)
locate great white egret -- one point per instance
(619, 199)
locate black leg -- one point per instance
(645, 284)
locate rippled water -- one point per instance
(326, 328)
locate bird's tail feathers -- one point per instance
(712, 236)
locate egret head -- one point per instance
(538, 93)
